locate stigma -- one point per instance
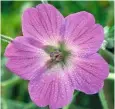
(56, 55)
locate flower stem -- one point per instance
(10, 82)
(44, 1)
(111, 68)
(111, 76)
(103, 99)
(6, 38)
(108, 56)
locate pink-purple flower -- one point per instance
(58, 55)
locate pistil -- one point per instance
(57, 55)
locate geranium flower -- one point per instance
(58, 55)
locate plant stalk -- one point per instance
(6, 38)
(44, 1)
(103, 99)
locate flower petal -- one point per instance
(25, 57)
(83, 33)
(89, 74)
(44, 21)
(51, 89)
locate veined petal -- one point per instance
(51, 89)
(77, 24)
(89, 74)
(25, 57)
(82, 32)
(44, 21)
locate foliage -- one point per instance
(14, 89)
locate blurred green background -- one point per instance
(14, 90)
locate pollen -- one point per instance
(56, 55)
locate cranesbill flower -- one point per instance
(58, 55)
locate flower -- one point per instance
(58, 55)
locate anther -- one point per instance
(56, 56)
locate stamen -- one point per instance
(56, 56)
